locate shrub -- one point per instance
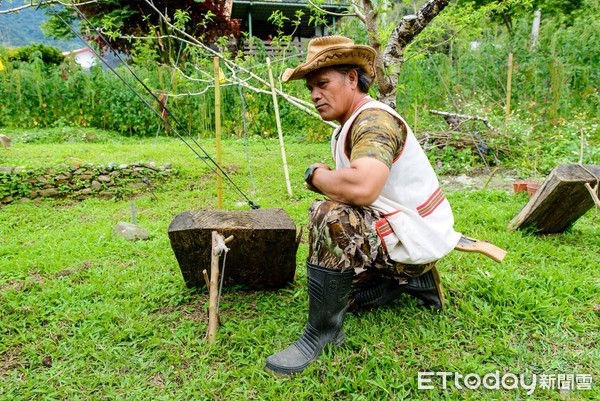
(27, 54)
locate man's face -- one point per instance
(332, 93)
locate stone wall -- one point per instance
(80, 181)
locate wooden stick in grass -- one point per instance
(218, 247)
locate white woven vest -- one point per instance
(417, 223)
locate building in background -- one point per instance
(254, 16)
(85, 57)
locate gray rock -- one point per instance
(49, 192)
(130, 231)
(63, 176)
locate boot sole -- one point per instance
(282, 373)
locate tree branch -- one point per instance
(47, 2)
(231, 65)
(464, 117)
(402, 35)
(330, 12)
(370, 20)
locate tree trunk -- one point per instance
(389, 66)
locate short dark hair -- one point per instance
(364, 80)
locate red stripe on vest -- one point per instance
(383, 229)
(432, 203)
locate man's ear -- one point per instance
(353, 77)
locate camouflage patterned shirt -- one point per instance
(376, 133)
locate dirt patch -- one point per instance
(194, 310)
(10, 360)
(12, 285)
(16, 285)
(499, 181)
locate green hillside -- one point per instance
(23, 28)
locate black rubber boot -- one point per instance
(427, 288)
(381, 294)
(327, 303)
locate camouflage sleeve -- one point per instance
(376, 133)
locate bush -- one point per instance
(27, 54)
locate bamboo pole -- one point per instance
(217, 247)
(218, 130)
(279, 131)
(509, 85)
(414, 128)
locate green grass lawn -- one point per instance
(86, 315)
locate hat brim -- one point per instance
(362, 56)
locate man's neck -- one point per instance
(357, 104)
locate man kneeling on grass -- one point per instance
(384, 221)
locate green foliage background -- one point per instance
(458, 64)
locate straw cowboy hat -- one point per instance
(326, 51)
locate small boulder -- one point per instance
(130, 231)
(5, 141)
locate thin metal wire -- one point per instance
(215, 165)
(170, 85)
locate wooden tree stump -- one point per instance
(264, 255)
(562, 198)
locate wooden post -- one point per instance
(564, 196)
(217, 247)
(279, 131)
(509, 85)
(218, 130)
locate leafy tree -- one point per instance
(121, 20)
